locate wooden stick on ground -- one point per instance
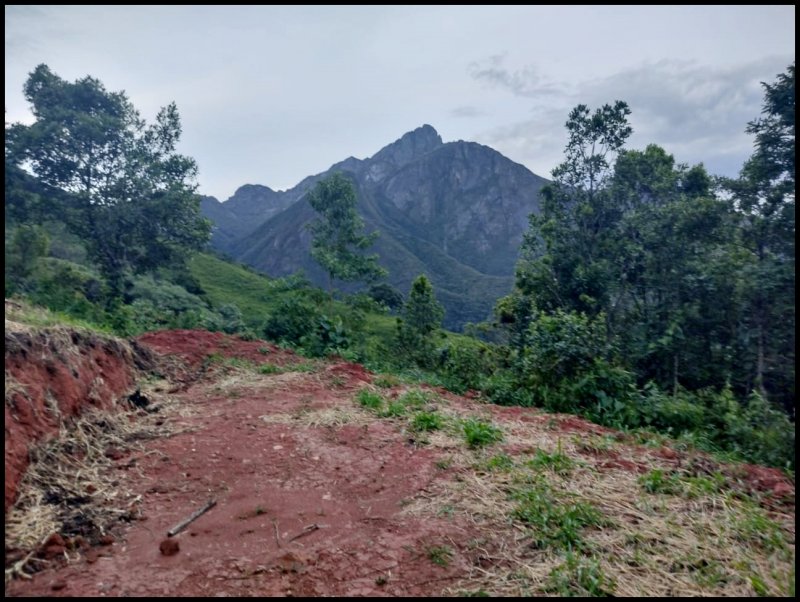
(185, 523)
(305, 531)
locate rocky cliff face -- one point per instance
(455, 211)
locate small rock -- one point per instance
(53, 551)
(291, 563)
(55, 540)
(58, 585)
(106, 540)
(91, 556)
(169, 547)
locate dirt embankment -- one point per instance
(53, 375)
(320, 493)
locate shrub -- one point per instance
(369, 400)
(466, 363)
(292, 320)
(427, 421)
(479, 433)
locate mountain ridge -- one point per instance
(454, 210)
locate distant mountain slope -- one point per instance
(456, 211)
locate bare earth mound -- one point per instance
(331, 481)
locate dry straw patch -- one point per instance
(70, 486)
(708, 544)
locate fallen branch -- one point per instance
(277, 537)
(185, 523)
(306, 531)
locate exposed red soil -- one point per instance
(194, 347)
(303, 508)
(52, 376)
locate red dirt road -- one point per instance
(301, 509)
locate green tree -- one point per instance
(28, 244)
(338, 233)
(422, 317)
(130, 194)
(764, 198)
(564, 264)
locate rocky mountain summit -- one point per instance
(455, 211)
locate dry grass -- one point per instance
(650, 545)
(70, 486)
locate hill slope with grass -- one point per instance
(331, 480)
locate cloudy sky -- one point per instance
(269, 95)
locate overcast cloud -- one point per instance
(269, 95)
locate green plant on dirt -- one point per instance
(417, 398)
(657, 481)
(427, 421)
(555, 524)
(440, 555)
(395, 409)
(580, 576)
(444, 463)
(751, 525)
(500, 463)
(269, 369)
(369, 400)
(479, 433)
(558, 461)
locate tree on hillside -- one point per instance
(130, 195)
(562, 254)
(422, 317)
(338, 233)
(764, 197)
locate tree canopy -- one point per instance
(694, 289)
(128, 194)
(338, 234)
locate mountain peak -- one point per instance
(410, 146)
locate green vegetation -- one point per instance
(649, 296)
(427, 421)
(657, 481)
(554, 523)
(579, 576)
(500, 462)
(126, 192)
(369, 400)
(440, 555)
(338, 233)
(479, 433)
(558, 461)
(422, 317)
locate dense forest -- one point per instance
(649, 295)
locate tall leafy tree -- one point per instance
(338, 233)
(131, 196)
(422, 317)
(563, 264)
(764, 198)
